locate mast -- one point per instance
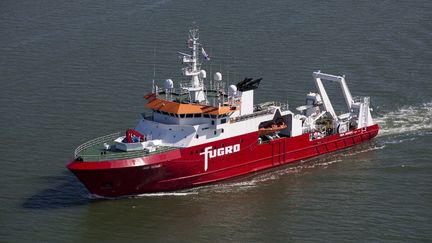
(193, 69)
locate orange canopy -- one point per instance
(156, 103)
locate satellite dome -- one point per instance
(232, 90)
(217, 76)
(203, 74)
(169, 84)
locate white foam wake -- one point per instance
(165, 194)
(408, 119)
(157, 194)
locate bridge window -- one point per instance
(198, 115)
(189, 115)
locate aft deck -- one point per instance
(94, 150)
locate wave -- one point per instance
(406, 120)
(156, 194)
(165, 194)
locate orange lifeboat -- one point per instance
(272, 128)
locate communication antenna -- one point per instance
(211, 79)
(154, 62)
(154, 69)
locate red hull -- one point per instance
(184, 168)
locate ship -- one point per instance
(203, 131)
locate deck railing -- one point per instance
(248, 116)
(93, 142)
(266, 111)
(361, 99)
(283, 106)
(123, 155)
(147, 116)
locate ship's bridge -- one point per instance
(172, 112)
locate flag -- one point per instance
(206, 56)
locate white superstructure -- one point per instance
(196, 113)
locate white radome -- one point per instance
(232, 90)
(169, 84)
(217, 76)
(203, 74)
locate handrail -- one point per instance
(124, 155)
(99, 140)
(361, 99)
(147, 116)
(248, 116)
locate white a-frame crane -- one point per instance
(357, 109)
